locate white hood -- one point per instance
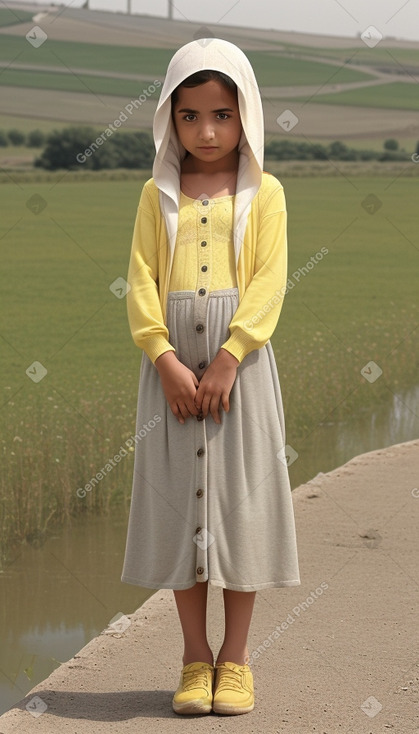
(209, 53)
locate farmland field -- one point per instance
(270, 69)
(77, 82)
(381, 55)
(395, 95)
(94, 62)
(11, 17)
(64, 244)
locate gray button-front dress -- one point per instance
(210, 502)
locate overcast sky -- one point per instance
(399, 18)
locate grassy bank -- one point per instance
(22, 172)
(65, 241)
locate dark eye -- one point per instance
(225, 116)
(190, 114)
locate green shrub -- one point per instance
(293, 150)
(35, 139)
(16, 137)
(391, 144)
(83, 147)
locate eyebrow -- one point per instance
(222, 109)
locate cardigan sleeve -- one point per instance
(145, 316)
(257, 314)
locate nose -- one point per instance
(206, 131)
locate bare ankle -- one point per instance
(198, 656)
(232, 655)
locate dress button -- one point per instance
(204, 268)
(202, 291)
(203, 243)
(199, 493)
(204, 220)
(200, 452)
(201, 365)
(205, 202)
(200, 570)
(199, 327)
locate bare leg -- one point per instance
(238, 607)
(192, 609)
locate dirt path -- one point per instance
(335, 654)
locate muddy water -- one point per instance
(56, 598)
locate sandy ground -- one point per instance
(343, 657)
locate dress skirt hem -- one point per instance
(213, 582)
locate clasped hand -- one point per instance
(187, 395)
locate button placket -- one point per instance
(201, 500)
(204, 253)
(203, 282)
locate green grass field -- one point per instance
(26, 124)
(9, 16)
(75, 82)
(270, 69)
(379, 56)
(61, 251)
(395, 95)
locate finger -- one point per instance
(181, 412)
(215, 408)
(177, 414)
(184, 409)
(192, 407)
(205, 405)
(194, 379)
(225, 402)
(190, 403)
(198, 396)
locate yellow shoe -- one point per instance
(194, 693)
(234, 689)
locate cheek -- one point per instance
(238, 131)
(182, 132)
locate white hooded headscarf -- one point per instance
(219, 55)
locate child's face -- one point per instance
(207, 120)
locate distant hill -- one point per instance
(89, 64)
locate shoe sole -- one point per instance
(230, 709)
(192, 707)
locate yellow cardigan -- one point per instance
(261, 273)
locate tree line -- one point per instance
(78, 147)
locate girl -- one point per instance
(211, 500)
